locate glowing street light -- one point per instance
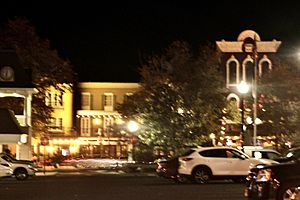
(132, 126)
(243, 87)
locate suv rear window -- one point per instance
(216, 153)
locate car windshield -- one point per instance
(6, 158)
(11, 157)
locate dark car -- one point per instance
(292, 154)
(168, 168)
(277, 181)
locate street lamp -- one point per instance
(132, 127)
(250, 46)
(243, 88)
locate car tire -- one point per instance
(21, 174)
(201, 175)
(289, 191)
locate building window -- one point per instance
(85, 101)
(249, 72)
(264, 66)
(56, 124)
(85, 126)
(127, 96)
(232, 71)
(108, 102)
(54, 99)
(248, 69)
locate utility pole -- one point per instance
(254, 92)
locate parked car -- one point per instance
(22, 169)
(279, 181)
(291, 155)
(167, 168)
(206, 163)
(5, 170)
(260, 152)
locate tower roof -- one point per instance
(19, 77)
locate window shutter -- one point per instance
(103, 101)
(114, 101)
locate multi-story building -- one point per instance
(102, 131)
(60, 135)
(245, 60)
(16, 90)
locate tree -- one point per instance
(279, 100)
(48, 68)
(180, 102)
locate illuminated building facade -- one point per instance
(246, 59)
(15, 87)
(61, 135)
(102, 131)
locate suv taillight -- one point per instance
(162, 165)
(187, 159)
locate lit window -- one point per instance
(56, 124)
(85, 101)
(85, 126)
(54, 99)
(108, 100)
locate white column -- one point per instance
(24, 150)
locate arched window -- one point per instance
(248, 69)
(264, 65)
(232, 71)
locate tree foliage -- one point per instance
(279, 99)
(180, 101)
(48, 68)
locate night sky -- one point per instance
(105, 41)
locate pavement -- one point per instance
(72, 170)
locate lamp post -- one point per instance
(243, 88)
(254, 94)
(132, 127)
(250, 46)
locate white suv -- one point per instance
(205, 163)
(5, 170)
(22, 169)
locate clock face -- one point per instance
(6, 73)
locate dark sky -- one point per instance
(104, 40)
